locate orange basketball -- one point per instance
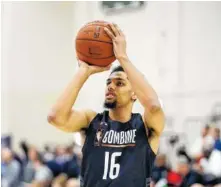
(93, 45)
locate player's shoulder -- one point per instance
(93, 115)
(136, 115)
(137, 118)
(90, 114)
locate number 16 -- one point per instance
(113, 165)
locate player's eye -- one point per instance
(108, 82)
(119, 83)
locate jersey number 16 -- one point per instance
(113, 165)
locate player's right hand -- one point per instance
(92, 69)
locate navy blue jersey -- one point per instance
(116, 154)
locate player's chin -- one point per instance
(108, 99)
(110, 103)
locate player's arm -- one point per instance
(153, 113)
(62, 115)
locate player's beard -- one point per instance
(110, 105)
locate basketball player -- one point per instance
(119, 150)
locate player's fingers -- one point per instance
(81, 62)
(78, 61)
(105, 68)
(109, 66)
(120, 32)
(109, 33)
(114, 29)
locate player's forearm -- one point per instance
(144, 91)
(65, 102)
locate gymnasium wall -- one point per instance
(37, 63)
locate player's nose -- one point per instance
(111, 87)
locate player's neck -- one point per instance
(120, 114)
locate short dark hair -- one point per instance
(118, 68)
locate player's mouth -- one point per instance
(110, 95)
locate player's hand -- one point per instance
(92, 69)
(119, 40)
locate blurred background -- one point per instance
(177, 45)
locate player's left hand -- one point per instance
(119, 41)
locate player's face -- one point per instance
(118, 90)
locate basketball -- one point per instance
(93, 45)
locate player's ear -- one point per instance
(134, 97)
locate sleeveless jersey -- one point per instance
(116, 154)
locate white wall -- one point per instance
(200, 58)
(38, 61)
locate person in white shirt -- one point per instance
(196, 150)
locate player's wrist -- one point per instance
(122, 58)
(85, 71)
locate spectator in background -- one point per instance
(197, 185)
(210, 139)
(217, 139)
(160, 169)
(47, 154)
(43, 174)
(29, 171)
(35, 171)
(189, 176)
(212, 164)
(71, 167)
(196, 150)
(73, 183)
(57, 165)
(60, 181)
(10, 169)
(24, 146)
(61, 155)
